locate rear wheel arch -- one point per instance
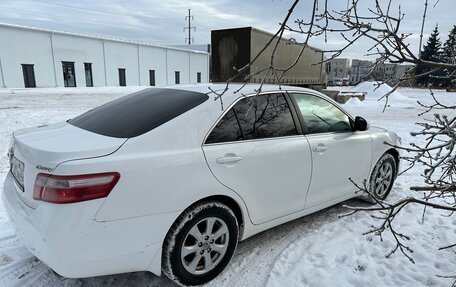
(232, 204)
(226, 200)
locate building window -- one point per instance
(177, 77)
(69, 76)
(122, 77)
(29, 76)
(152, 77)
(198, 77)
(88, 74)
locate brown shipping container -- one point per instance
(237, 47)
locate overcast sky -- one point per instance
(162, 22)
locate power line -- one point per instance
(103, 12)
(189, 28)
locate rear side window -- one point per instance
(138, 113)
(227, 130)
(263, 116)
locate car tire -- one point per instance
(193, 251)
(382, 178)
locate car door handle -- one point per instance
(320, 148)
(228, 159)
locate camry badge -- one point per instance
(44, 168)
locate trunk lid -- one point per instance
(42, 149)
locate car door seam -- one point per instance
(210, 169)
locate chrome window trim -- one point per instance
(254, 140)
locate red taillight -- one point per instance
(73, 188)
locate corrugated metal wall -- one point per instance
(46, 50)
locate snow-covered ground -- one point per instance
(317, 250)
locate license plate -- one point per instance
(17, 169)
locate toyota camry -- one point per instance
(171, 179)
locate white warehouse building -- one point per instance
(31, 57)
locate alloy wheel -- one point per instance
(384, 179)
(205, 245)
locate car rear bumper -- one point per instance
(69, 240)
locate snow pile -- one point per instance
(376, 92)
(354, 102)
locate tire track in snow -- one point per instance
(256, 256)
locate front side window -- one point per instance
(257, 117)
(321, 116)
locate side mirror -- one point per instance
(360, 124)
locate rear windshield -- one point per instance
(138, 113)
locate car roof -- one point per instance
(235, 90)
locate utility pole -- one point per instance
(189, 28)
(422, 28)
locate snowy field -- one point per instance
(318, 250)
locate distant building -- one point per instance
(401, 70)
(362, 70)
(202, 48)
(380, 71)
(389, 71)
(384, 71)
(359, 70)
(31, 57)
(339, 69)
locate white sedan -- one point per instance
(169, 179)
